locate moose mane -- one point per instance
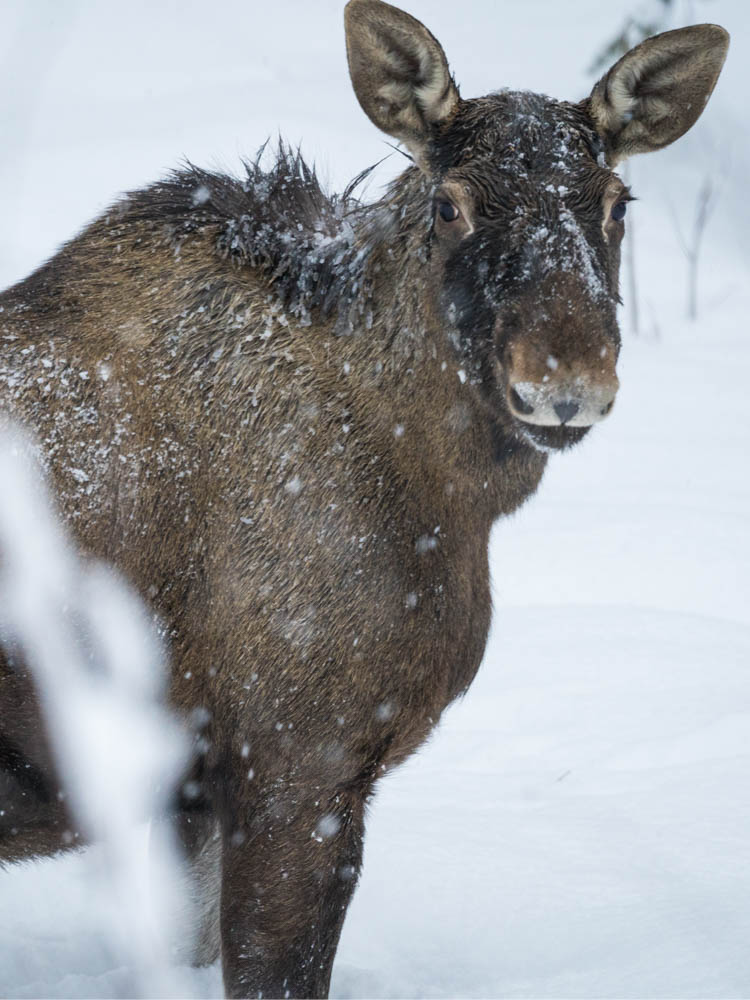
(312, 246)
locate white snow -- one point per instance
(578, 826)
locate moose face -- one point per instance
(527, 212)
(526, 240)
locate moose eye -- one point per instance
(447, 211)
(618, 211)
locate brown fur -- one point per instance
(284, 417)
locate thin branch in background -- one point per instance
(705, 204)
(98, 669)
(653, 330)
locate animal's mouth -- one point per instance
(549, 439)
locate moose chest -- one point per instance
(440, 640)
(354, 616)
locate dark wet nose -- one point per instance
(566, 410)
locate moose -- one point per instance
(290, 420)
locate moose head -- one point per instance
(526, 212)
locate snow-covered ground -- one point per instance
(580, 824)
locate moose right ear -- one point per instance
(399, 72)
(658, 90)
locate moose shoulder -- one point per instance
(291, 419)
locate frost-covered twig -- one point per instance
(99, 673)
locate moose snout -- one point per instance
(577, 403)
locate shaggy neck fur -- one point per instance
(318, 251)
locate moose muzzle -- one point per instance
(570, 402)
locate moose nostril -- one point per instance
(520, 404)
(607, 408)
(566, 411)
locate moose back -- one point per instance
(291, 419)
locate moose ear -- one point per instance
(399, 72)
(658, 90)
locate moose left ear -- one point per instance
(658, 90)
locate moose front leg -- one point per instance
(286, 885)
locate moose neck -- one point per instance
(416, 385)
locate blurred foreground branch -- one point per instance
(99, 675)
